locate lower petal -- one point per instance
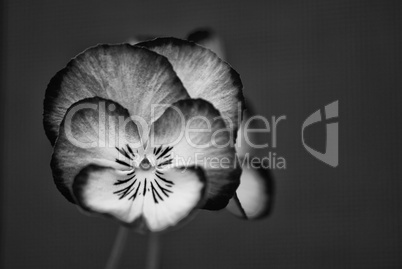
(165, 209)
(146, 200)
(100, 189)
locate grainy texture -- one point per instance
(294, 57)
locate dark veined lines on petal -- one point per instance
(145, 188)
(129, 155)
(163, 156)
(163, 153)
(159, 186)
(129, 189)
(164, 190)
(157, 150)
(123, 152)
(167, 184)
(122, 163)
(159, 189)
(125, 191)
(154, 191)
(160, 165)
(118, 182)
(135, 193)
(160, 176)
(130, 150)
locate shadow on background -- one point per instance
(294, 58)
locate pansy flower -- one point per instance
(145, 134)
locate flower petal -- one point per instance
(249, 135)
(191, 132)
(255, 194)
(93, 131)
(132, 76)
(188, 190)
(204, 75)
(139, 199)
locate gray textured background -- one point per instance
(294, 57)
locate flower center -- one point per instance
(145, 164)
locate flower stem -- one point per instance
(153, 251)
(118, 248)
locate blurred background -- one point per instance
(294, 58)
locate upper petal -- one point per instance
(191, 132)
(204, 75)
(134, 77)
